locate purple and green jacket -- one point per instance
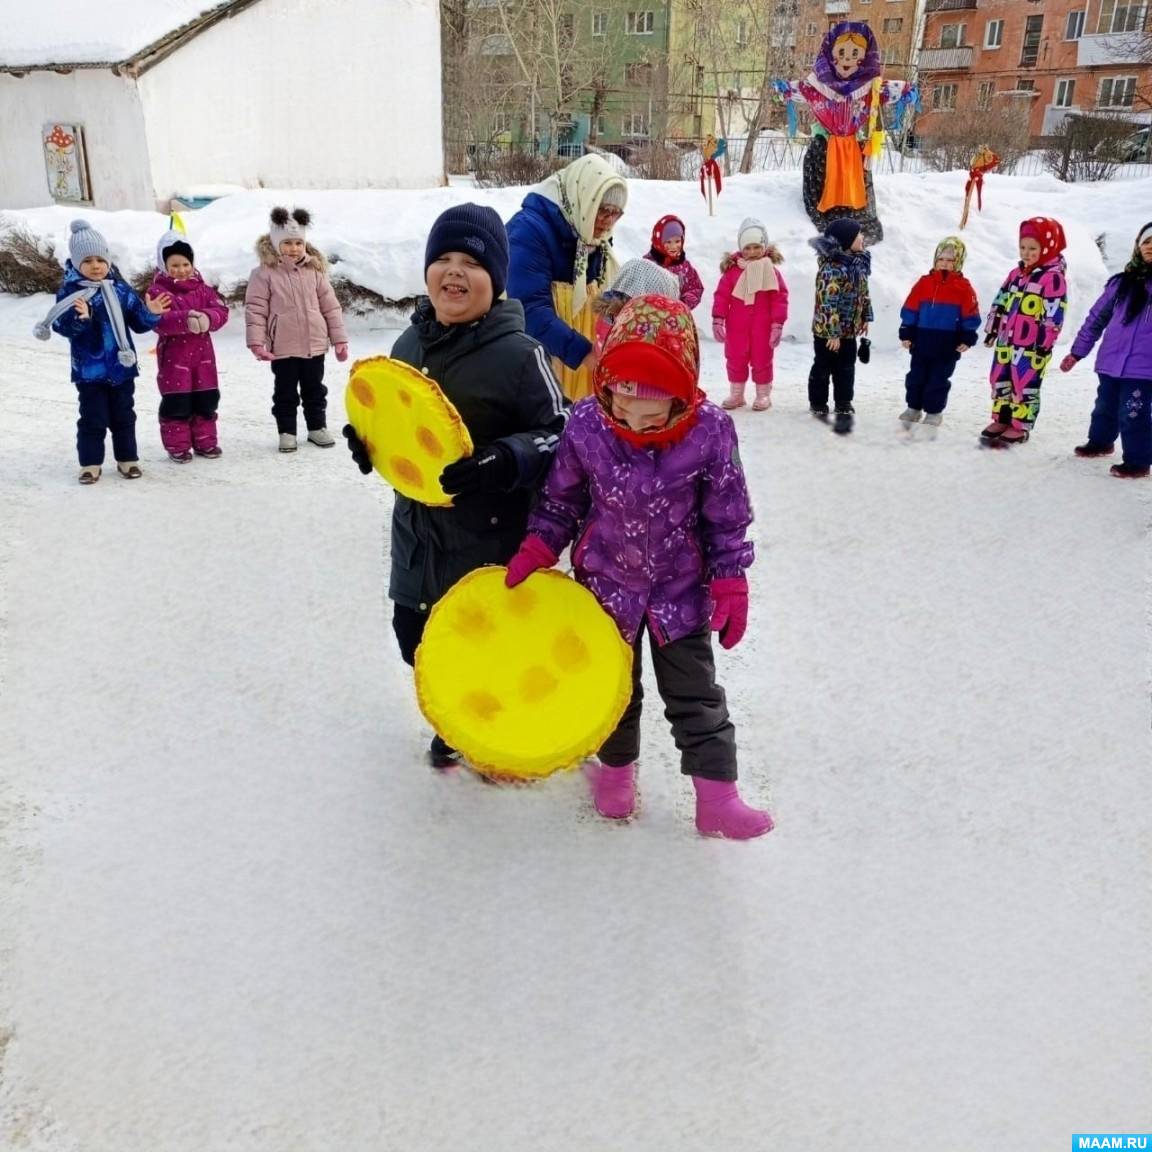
(652, 526)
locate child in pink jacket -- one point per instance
(749, 311)
(185, 359)
(291, 316)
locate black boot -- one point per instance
(1091, 449)
(441, 755)
(843, 422)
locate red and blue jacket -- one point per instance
(941, 312)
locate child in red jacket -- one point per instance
(749, 310)
(938, 323)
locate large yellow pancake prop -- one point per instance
(523, 681)
(412, 430)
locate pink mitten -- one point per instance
(341, 352)
(197, 322)
(1068, 363)
(730, 616)
(260, 353)
(534, 554)
(775, 335)
(719, 329)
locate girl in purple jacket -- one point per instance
(185, 358)
(1123, 315)
(647, 481)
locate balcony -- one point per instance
(945, 59)
(1116, 48)
(837, 7)
(950, 6)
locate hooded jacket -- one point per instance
(843, 302)
(186, 361)
(940, 312)
(501, 383)
(95, 356)
(289, 305)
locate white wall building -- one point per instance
(157, 97)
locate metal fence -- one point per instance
(680, 159)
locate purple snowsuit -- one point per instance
(186, 364)
(655, 524)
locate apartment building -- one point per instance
(1057, 56)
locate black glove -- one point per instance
(864, 352)
(990, 339)
(358, 449)
(491, 468)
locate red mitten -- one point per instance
(775, 335)
(719, 329)
(1068, 363)
(341, 352)
(260, 353)
(534, 554)
(730, 616)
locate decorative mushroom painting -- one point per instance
(66, 162)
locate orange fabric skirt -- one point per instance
(843, 175)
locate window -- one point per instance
(742, 32)
(943, 97)
(638, 74)
(1033, 26)
(891, 55)
(640, 23)
(1117, 92)
(894, 24)
(1025, 85)
(984, 94)
(1065, 90)
(599, 23)
(1118, 17)
(993, 33)
(812, 29)
(501, 123)
(953, 35)
(635, 124)
(1074, 29)
(601, 125)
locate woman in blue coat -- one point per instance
(561, 257)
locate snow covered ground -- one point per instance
(238, 913)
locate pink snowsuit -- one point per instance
(186, 364)
(748, 335)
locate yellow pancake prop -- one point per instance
(523, 681)
(410, 428)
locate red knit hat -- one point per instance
(653, 348)
(1048, 233)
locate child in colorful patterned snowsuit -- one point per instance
(842, 314)
(668, 237)
(749, 310)
(291, 316)
(636, 278)
(96, 310)
(938, 323)
(1123, 317)
(647, 482)
(1024, 325)
(185, 359)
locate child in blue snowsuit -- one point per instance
(94, 309)
(938, 323)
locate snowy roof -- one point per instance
(47, 32)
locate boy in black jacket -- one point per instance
(473, 344)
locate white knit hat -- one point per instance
(285, 226)
(751, 232)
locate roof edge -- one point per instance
(147, 57)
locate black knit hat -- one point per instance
(479, 232)
(177, 248)
(844, 232)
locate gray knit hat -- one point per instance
(85, 241)
(645, 278)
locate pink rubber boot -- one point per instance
(614, 790)
(721, 812)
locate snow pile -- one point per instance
(376, 238)
(65, 32)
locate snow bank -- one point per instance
(376, 238)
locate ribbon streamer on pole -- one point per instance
(710, 176)
(983, 162)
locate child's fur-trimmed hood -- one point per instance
(313, 257)
(770, 250)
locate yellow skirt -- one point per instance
(576, 382)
